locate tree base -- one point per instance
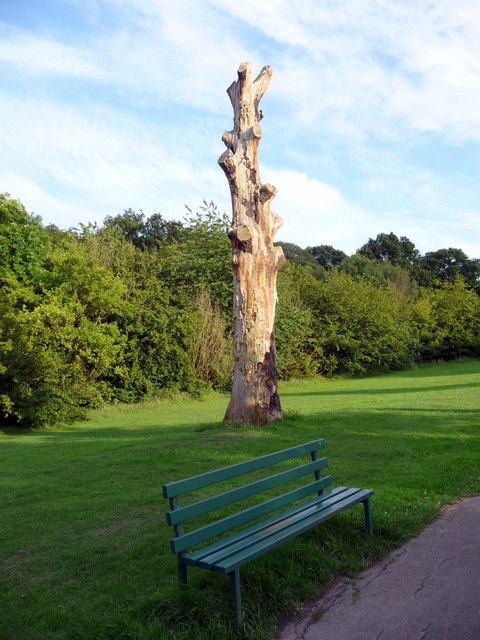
(255, 398)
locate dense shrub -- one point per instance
(294, 329)
(211, 343)
(23, 240)
(140, 305)
(360, 327)
(54, 358)
(155, 319)
(448, 322)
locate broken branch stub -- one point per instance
(255, 260)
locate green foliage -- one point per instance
(294, 329)
(23, 240)
(144, 232)
(200, 259)
(382, 274)
(53, 355)
(57, 339)
(360, 327)
(400, 281)
(360, 266)
(211, 345)
(448, 321)
(387, 246)
(96, 324)
(343, 324)
(326, 255)
(446, 265)
(157, 325)
(204, 261)
(297, 255)
(143, 305)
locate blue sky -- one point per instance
(372, 117)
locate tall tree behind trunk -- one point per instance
(255, 260)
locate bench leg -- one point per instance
(182, 572)
(236, 596)
(368, 516)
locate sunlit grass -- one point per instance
(84, 546)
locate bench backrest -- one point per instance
(178, 515)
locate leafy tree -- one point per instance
(297, 255)
(446, 265)
(326, 255)
(158, 229)
(400, 281)
(387, 246)
(130, 224)
(53, 356)
(360, 327)
(448, 321)
(294, 328)
(212, 346)
(23, 240)
(157, 322)
(144, 232)
(361, 266)
(99, 325)
(200, 260)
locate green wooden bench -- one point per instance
(228, 554)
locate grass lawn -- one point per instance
(84, 550)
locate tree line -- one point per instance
(141, 306)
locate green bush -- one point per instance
(156, 321)
(140, 305)
(294, 330)
(53, 356)
(448, 321)
(23, 240)
(211, 344)
(360, 327)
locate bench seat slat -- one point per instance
(196, 556)
(209, 556)
(265, 529)
(178, 488)
(253, 488)
(278, 537)
(192, 538)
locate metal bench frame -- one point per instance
(230, 553)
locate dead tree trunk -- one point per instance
(255, 260)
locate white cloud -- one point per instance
(378, 68)
(315, 213)
(53, 210)
(356, 86)
(372, 68)
(100, 164)
(35, 55)
(181, 52)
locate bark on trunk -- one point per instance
(255, 260)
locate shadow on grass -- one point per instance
(382, 391)
(415, 459)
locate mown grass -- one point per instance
(84, 547)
